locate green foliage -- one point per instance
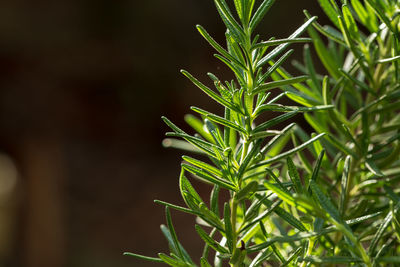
(297, 199)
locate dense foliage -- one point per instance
(296, 199)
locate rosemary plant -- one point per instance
(297, 199)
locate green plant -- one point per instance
(298, 199)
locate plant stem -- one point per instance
(245, 150)
(234, 206)
(355, 241)
(309, 251)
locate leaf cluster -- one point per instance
(297, 199)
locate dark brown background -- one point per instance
(83, 84)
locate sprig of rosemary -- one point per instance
(332, 197)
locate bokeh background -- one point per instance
(83, 85)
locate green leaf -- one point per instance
(214, 198)
(246, 191)
(211, 93)
(189, 211)
(350, 136)
(239, 72)
(395, 94)
(280, 48)
(189, 194)
(283, 108)
(328, 31)
(363, 218)
(389, 259)
(325, 202)
(263, 135)
(224, 122)
(206, 250)
(281, 239)
(234, 49)
(292, 256)
(318, 149)
(327, 58)
(214, 131)
(198, 126)
(385, 248)
(208, 178)
(294, 176)
(211, 242)
(367, 19)
(330, 11)
(318, 125)
(311, 71)
(309, 97)
(171, 243)
(315, 172)
(305, 162)
(263, 215)
(388, 60)
(247, 10)
(237, 256)
(171, 261)
(356, 81)
(204, 146)
(204, 263)
(391, 194)
(260, 13)
(351, 43)
(228, 133)
(381, 14)
(239, 8)
(277, 98)
(381, 230)
(286, 216)
(260, 258)
(277, 142)
(332, 34)
(217, 47)
(203, 165)
(228, 227)
(172, 232)
(142, 257)
(299, 236)
(300, 97)
(277, 84)
(331, 260)
(344, 185)
(280, 41)
(229, 21)
(182, 145)
(287, 197)
(338, 144)
(373, 168)
(275, 66)
(350, 22)
(197, 142)
(288, 153)
(254, 209)
(172, 126)
(210, 217)
(313, 94)
(248, 158)
(274, 121)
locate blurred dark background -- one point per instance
(83, 85)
